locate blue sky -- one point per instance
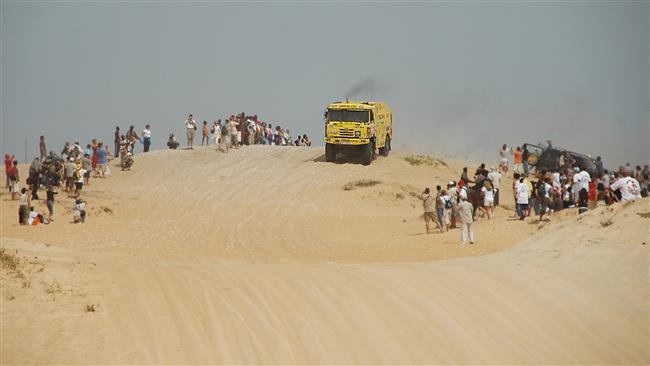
(461, 78)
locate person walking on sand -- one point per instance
(51, 191)
(428, 203)
(190, 126)
(146, 138)
(216, 131)
(42, 148)
(465, 210)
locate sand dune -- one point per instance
(262, 256)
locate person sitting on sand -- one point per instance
(428, 203)
(35, 218)
(79, 211)
(628, 187)
(465, 211)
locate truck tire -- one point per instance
(384, 151)
(330, 153)
(367, 152)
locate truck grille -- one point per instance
(346, 132)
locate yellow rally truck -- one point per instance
(359, 127)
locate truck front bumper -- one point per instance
(345, 141)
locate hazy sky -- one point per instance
(461, 78)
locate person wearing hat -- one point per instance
(452, 193)
(465, 214)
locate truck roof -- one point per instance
(353, 105)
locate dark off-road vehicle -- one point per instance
(556, 159)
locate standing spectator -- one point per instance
(503, 158)
(23, 208)
(132, 137)
(465, 212)
(269, 134)
(50, 202)
(116, 141)
(190, 125)
(216, 131)
(68, 170)
(14, 180)
(517, 160)
(232, 125)
(86, 164)
(487, 191)
(34, 177)
(205, 134)
(600, 169)
(9, 162)
(452, 193)
(447, 210)
(102, 160)
(428, 203)
(42, 148)
(522, 195)
(440, 208)
(146, 137)
(495, 177)
(524, 160)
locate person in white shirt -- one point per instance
(146, 137)
(575, 187)
(190, 125)
(216, 131)
(79, 211)
(465, 212)
(521, 193)
(495, 177)
(487, 191)
(629, 187)
(584, 179)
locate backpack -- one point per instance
(447, 203)
(541, 190)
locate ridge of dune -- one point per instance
(261, 256)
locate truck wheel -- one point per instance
(330, 153)
(367, 152)
(384, 151)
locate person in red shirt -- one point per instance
(9, 163)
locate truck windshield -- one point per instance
(346, 115)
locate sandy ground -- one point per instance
(261, 256)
